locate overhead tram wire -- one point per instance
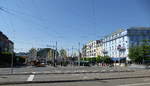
(16, 13)
(27, 43)
(39, 24)
(93, 22)
(6, 10)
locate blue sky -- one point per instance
(37, 23)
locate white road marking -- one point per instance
(85, 77)
(138, 84)
(31, 77)
(75, 74)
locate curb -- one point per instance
(67, 81)
(40, 73)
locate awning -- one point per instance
(118, 59)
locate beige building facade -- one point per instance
(94, 48)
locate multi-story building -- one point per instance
(93, 48)
(99, 49)
(46, 54)
(116, 45)
(6, 45)
(84, 51)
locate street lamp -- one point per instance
(12, 59)
(78, 50)
(54, 53)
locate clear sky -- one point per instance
(37, 23)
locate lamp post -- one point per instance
(54, 53)
(79, 55)
(12, 63)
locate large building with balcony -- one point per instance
(84, 51)
(116, 45)
(93, 48)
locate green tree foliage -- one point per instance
(136, 54)
(106, 59)
(32, 53)
(32, 50)
(5, 58)
(140, 54)
(98, 59)
(63, 53)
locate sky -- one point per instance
(38, 23)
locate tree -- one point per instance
(140, 54)
(135, 54)
(63, 53)
(5, 58)
(32, 54)
(98, 59)
(106, 59)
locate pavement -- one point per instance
(88, 78)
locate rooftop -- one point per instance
(139, 28)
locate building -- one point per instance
(6, 45)
(117, 44)
(93, 48)
(46, 54)
(84, 51)
(22, 55)
(99, 48)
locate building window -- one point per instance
(94, 54)
(123, 38)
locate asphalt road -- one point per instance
(87, 79)
(120, 82)
(46, 76)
